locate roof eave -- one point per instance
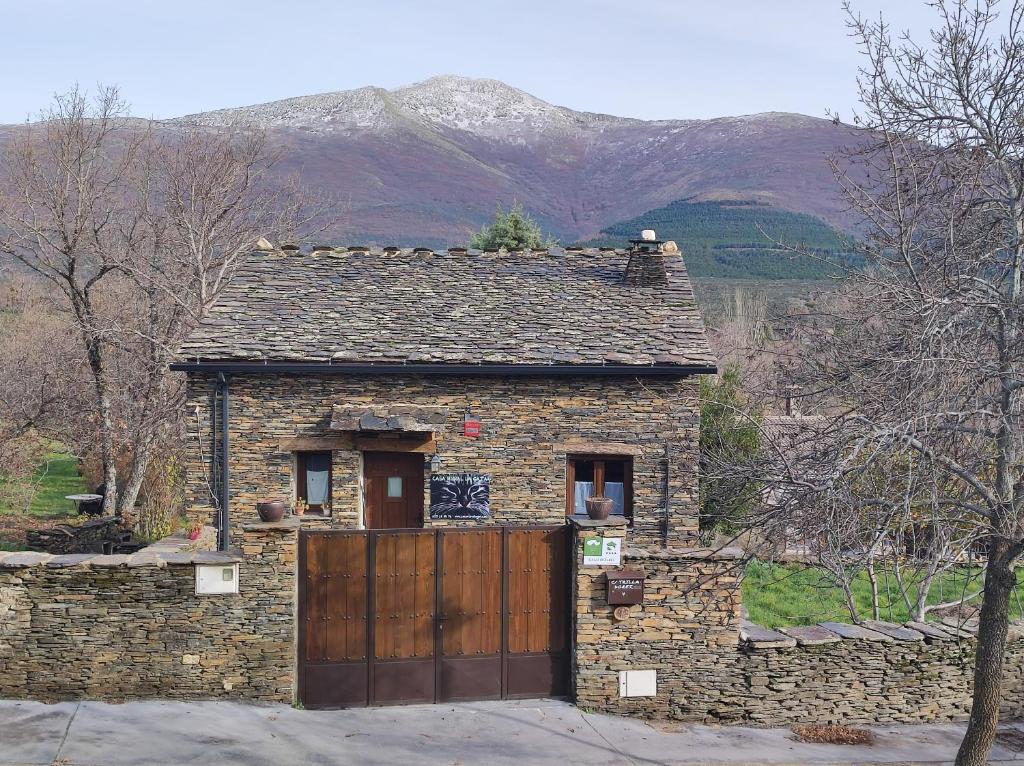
(504, 370)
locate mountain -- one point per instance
(427, 163)
(739, 239)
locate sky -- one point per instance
(636, 58)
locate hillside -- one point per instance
(736, 239)
(426, 163)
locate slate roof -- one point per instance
(555, 307)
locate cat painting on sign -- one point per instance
(460, 496)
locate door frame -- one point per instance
(564, 662)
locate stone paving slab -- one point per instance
(959, 627)
(111, 560)
(899, 632)
(933, 631)
(523, 733)
(70, 560)
(812, 635)
(24, 559)
(856, 632)
(765, 638)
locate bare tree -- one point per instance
(917, 364)
(140, 227)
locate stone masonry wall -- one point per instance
(119, 627)
(712, 668)
(526, 425)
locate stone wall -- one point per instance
(529, 425)
(711, 667)
(686, 630)
(119, 627)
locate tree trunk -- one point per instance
(873, 579)
(1000, 580)
(130, 492)
(106, 424)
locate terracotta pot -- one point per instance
(599, 507)
(194, 534)
(271, 510)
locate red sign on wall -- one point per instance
(471, 429)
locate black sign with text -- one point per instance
(460, 496)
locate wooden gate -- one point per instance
(421, 615)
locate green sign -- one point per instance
(602, 551)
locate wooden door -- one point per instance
(404, 594)
(537, 611)
(392, 490)
(470, 614)
(408, 616)
(333, 628)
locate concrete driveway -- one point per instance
(533, 733)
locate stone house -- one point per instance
(412, 389)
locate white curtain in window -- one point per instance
(317, 474)
(616, 490)
(584, 489)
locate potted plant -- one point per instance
(193, 529)
(300, 508)
(272, 509)
(599, 507)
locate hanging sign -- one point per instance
(602, 551)
(460, 495)
(471, 428)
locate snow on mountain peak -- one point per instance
(484, 106)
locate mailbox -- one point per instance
(625, 588)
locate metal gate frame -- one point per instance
(529, 665)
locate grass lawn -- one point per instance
(777, 595)
(56, 477)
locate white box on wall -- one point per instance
(213, 579)
(638, 683)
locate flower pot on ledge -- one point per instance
(271, 510)
(599, 507)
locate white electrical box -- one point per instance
(216, 578)
(638, 683)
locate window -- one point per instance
(599, 475)
(394, 486)
(313, 481)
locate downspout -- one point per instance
(224, 525)
(668, 495)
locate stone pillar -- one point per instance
(269, 588)
(686, 630)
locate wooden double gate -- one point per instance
(421, 615)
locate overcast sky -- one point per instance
(639, 58)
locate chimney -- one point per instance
(646, 265)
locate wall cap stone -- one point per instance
(856, 632)
(588, 523)
(811, 635)
(288, 523)
(892, 630)
(690, 554)
(875, 631)
(23, 559)
(142, 558)
(764, 638)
